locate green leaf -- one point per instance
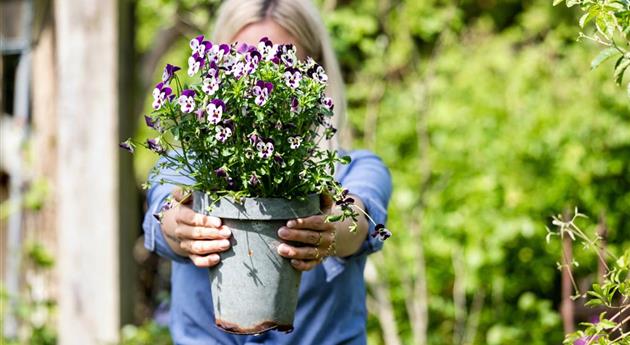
(621, 69)
(603, 56)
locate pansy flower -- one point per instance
(288, 56)
(161, 93)
(253, 138)
(154, 145)
(238, 69)
(317, 72)
(253, 179)
(195, 62)
(215, 110)
(221, 172)
(295, 142)
(261, 92)
(127, 145)
(199, 46)
(267, 49)
(169, 72)
(327, 102)
(152, 123)
(210, 85)
(187, 101)
(222, 133)
(252, 59)
(292, 77)
(381, 232)
(265, 149)
(217, 52)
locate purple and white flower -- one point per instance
(195, 62)
(187, 101)
(199, 112)
(238, 69)
(210, 85)
(218, 52)
(327, 102)
(381, 232)
(127, 145)
(154, 145)
(261, 92)
(253, 179)
(267, 49)
(152, 123)
(288, 56)
(169, 72)
(292, 77)
(161, 94)
(265, 149)
(317, 72)
(215, 110)
(221, 172)
(252, 59)
(295, 142)
(222, 133)
(253, 138)
(199, 46)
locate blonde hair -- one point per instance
(302, 20)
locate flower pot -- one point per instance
(253, 288)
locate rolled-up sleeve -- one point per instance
(368, 178)
(153, 237)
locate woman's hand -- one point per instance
(315, 233)
(194, 235)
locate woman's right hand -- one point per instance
(194, 235)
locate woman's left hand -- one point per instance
(318, 238)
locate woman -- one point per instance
(331, 307)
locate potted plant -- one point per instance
(248, 130)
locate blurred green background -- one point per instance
(491, 121)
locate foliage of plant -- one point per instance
(613, 292)
(610, 20)
(255, 122)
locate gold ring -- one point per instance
(332, 248)
(319, 240)
(316, 254)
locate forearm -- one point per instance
(348, 243)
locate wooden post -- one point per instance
(88, 171)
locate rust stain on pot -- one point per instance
(257, 329)
(250, 252)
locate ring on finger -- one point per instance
(317, 254)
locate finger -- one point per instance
(189, 232)
(205, 260)
(311, 223)
(305, 253)
(186, 215)
(304, 265)
(181, 197)
(205, 247)
(316, 238)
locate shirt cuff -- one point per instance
(333, 265)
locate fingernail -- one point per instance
(282, 249)
(283, 232)
(225, 231)
(291, 223)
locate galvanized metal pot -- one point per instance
(253, 288)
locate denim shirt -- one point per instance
(331, 305)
